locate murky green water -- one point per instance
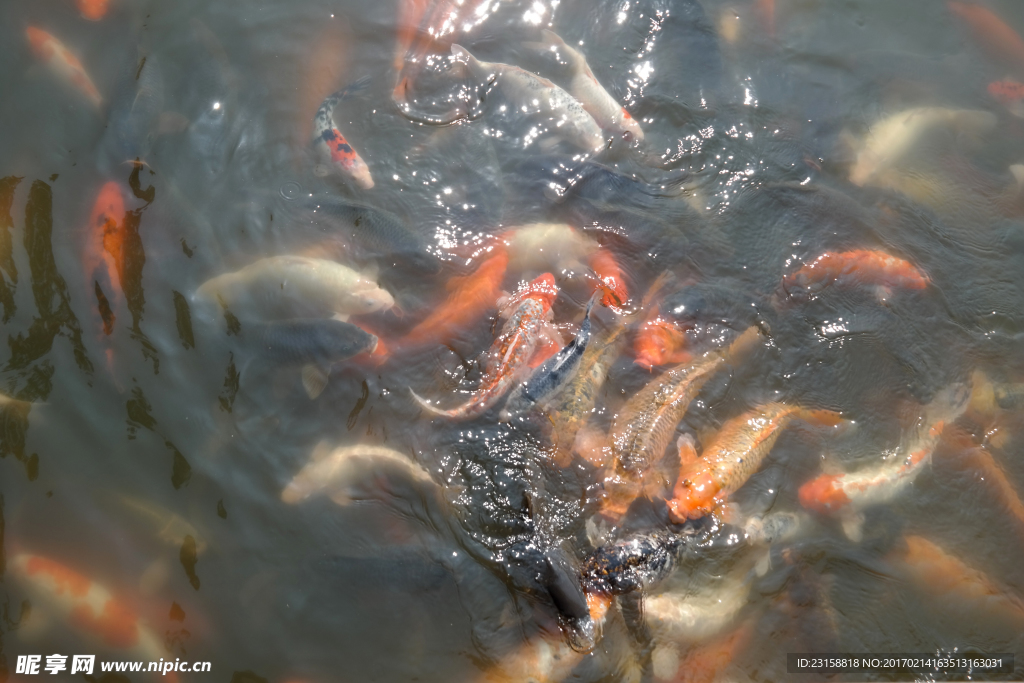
(743, 177)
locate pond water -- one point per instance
(152, 429)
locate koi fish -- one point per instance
(470, 296)
(849, 494)
(734, 456)
(357, 472)
(845, 268)
(892, 138)
(609, 273)
(660, 342)
(93, 10)
(531, 92)
(549, 379)
(170, 527)
(995, 38)
(982, 462)
(315, 344)
(695, 616)
(103, 257)
(61, 62)
(1007, 91)
(510, 352)
(87, 606)
(285, 287)
(706, 662)
(642, 430)
(633, 564)
(941, 575)
(336, 154)
(585, 87)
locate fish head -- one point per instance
(342, 158)
(545, 290)
(824, 494)
(40, 41)
(369, 297)
(659, 342)
(631, 130)
(693, 497)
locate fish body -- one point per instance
(696, 616)
(380, 233)
(284, 287)
(61, 62)
(103, 255)
(547, 246)
(644, 427)
(1006, 91)
(734, 456)
(941, 575)
(848, 494)
(845, 268)
(892, 138)
(334, 151)
(994, 36)
(351, 473)
(93, 10)
(86, 605)
(550, 378)
(510, 353)
(528, 91)
(315, 344)
(470, 297)
(596, 100)
(632, 564)
(170, 527)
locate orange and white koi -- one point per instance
(531, 93)
(845, 268)
(509, 355)
(848, 494)
(585, 87)
(93, 10)
(937, 573)
(335, 152)
(87, 606)
(470, 297)
(734, 456)
(61, 62)
(994, 36)
(644, 427)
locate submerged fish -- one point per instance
(335, 152)
(93, 10)
(359, 472)
(694, 616)
(633, 564)
(375, 233)
(892, 138)
(643, 428)
(529, 92)
(548, 380)
(315, 344)
(947, 578)
(585, 87)
(283, 287)
(846, 268)
(849, 494)
(170, 527)
(735, 454)
(61, 62)
(103, 255)
(994, 36)
(470, 297)
(510, 353)
(87, 606)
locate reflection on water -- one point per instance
(794, 427)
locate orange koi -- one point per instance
(470, 297)
(705, 663)
(765, 10)
(861, 266)
(61, 62)
(609, 273)
(103, 256)
(509, 354)
(660, 342)
(990, 470)
(1007, 91)
(88, 606)
(734, 456)
(93, 10)
(939, 574)
(993, 35)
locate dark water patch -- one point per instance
(353, 416)
(181, 471)
(183, 320)
(222, 511)
(189, 556)
(226, 399)
(139, 415)
(106, 313)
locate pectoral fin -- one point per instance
(314, 380)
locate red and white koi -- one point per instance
(845, 268)
(61, 62)
(509, 356)
(848, 494)
(585, 87)
(336, 153)
(87, 606)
